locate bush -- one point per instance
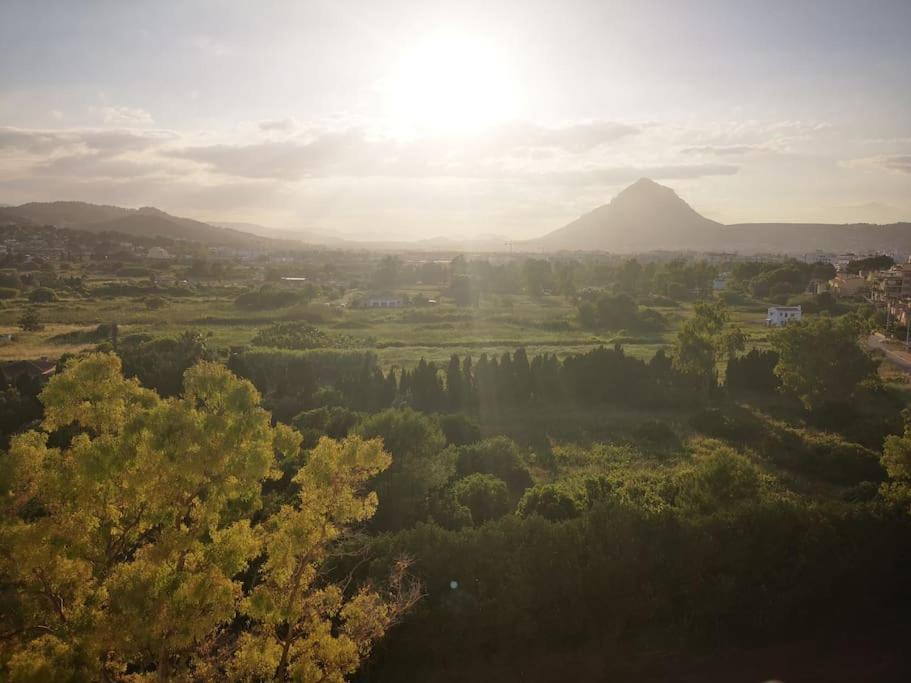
(153, 303)
(485, 496)
(459, 429)
(42, 295)
(720, 479)
(8, 293)
(268, 297)
(553, 502)
(297, 335)
(500, 457)
(134, 271)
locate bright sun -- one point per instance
(451, 83)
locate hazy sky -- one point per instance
(416, 119)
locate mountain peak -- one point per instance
(647, 188)
(643, 217)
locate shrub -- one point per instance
(267, 297)
(500, 457)
(42, 295)
(485, 496)
(553, 502)
(8, 293)
(297, 335)
(459, 429)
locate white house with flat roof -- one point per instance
(782, 315)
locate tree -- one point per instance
(387, 271)
(896, 460)
(160, 363)
(821, 361)
(29, 320)
(721, 478)
(703, 342)
(419, 465)
(42, 295)
(141, 549)
(485, 496)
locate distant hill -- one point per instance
(144, 222)
(643, 217)
(647, 216)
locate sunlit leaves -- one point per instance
(142, 545)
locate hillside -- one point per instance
(643, 217)
(145, 222)
(647, 216)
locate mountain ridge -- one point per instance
(644, 217)
(647, 216)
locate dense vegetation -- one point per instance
(581, 456)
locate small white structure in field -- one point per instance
(782, 315)
(382, 301)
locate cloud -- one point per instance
(891, 162)
(124, 116)
(353, 153)
(58, 141)
(280, 125)
(723, 150)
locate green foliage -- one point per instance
(161, 363)
(8, 293)
(820, 456)
(631, 580)
(553, 502)
(130, 547)
(459, 429)
(30, 321)
(42, 295)
(565, 499)
(269, 297)
(719, 479)
(752, 373)
(484, 495)
(821, 361)
(499, 457)
(896, 460)
(703, 341)
(618, 312)
(155, 303)
(870, 263)
(335, 422)
(420, 465)
(298, 335)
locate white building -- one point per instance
(382, 301)
(782, 315)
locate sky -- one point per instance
(413, 119)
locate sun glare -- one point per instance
(451, 83)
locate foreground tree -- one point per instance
(136, 547)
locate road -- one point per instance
(899, 356)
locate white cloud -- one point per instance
(124, 116)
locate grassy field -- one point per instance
(399, 337)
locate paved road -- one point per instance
(899, 356)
